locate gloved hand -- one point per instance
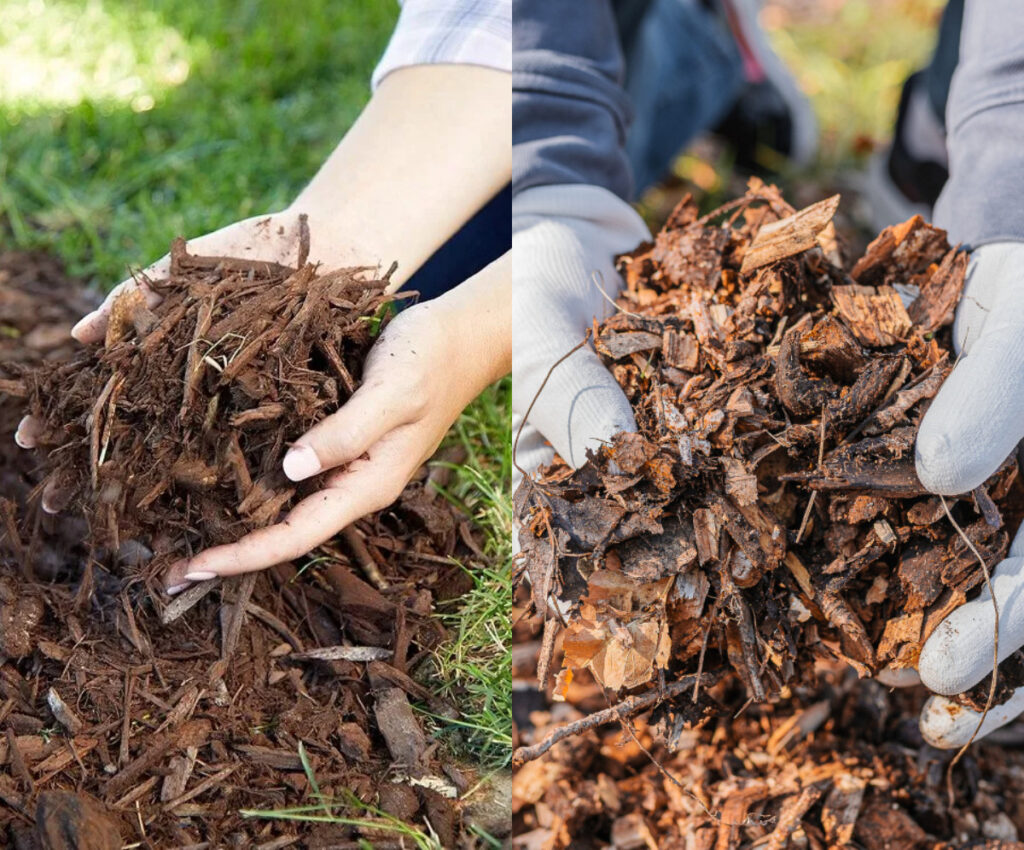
(565, 239)
(974, 423)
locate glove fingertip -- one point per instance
(945, 724)
(958, 654)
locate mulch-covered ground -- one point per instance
(129, 718)
(764, 521)
(837, 764)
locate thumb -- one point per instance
(978, 415)
(977, 418)
(580, 408)
(371, 412)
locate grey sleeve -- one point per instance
(569, 111)
(983, 200)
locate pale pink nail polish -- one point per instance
(200, 575)
(175, 589)
(301, 463)
(19, 434)
(81, 325)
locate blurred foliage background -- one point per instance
(851, 58)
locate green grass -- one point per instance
(475, 667)
(366, 818)
(123, 125)
(352, 812)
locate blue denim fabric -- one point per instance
(683, 73)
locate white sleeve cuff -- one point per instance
(449, 32)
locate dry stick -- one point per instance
(187, 600)
(821, 457)
(367, 564)
(303, 240)
(547, 651)
(704, 649)
(629, 706)
(995, 653)
(540, 389)
(664, 771)
(209, 782)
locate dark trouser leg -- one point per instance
(937, 75)
(482, 239)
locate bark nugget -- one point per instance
(172, 432)
(767, 511)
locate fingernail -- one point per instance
(19, 434)
(200, 575)
(301, 463)
(82, 325)
(175, 589)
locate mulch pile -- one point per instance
(174, 429)
(128, 718)
(839, 764)
(766, 517)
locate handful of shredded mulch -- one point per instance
(172, 432)
(767, 512)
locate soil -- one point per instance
(765, 522)
(131, 719)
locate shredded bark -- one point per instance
(775, 437)
(787, 439)
(127, 722)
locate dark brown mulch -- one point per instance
(128, 717)
(173, 430)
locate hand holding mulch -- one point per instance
(173, 431)
(213, 408)
(767, 512)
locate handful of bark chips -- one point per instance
(172, 432)
(767, 512)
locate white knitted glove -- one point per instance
(565, 239)
(975, 422)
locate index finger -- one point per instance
(311, 522)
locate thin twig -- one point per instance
(540, 389)
(995, 652)
(821, 458)
(624, 709)
(597, 279)
(704, 649)
(664, 771)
